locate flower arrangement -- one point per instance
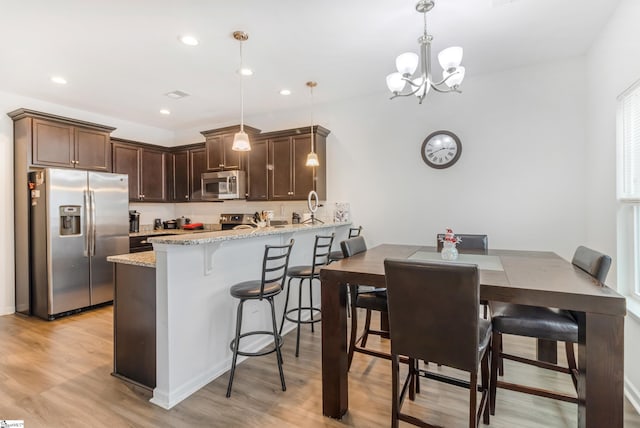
(450, 237)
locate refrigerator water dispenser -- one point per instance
(69, 220)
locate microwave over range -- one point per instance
(222, 185)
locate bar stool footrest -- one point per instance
(258, 353)
(309, 321)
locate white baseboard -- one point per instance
(632, 394)
(7, 310)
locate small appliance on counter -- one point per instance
(157, 224)
(182, 222)
(170, 224)
(134, 221)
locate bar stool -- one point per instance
(274, 271)
(334, 256)
(321, 250)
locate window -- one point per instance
(628, 186)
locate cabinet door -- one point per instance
(220, 155)
(280, 162)
(52, 144)
(92, 150)
(257, 172)
(231, 158)
(180, 176)
(303, 176)
(153, 175)
(126, 160)
(197, 165)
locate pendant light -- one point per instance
(312, 158)
(241, 139)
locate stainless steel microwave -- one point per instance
(218, 186)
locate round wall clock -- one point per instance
(441, 149)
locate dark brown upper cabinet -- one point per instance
(276, 165)
(55, 141)
(146, 166)
(187, 165)
(218, 143)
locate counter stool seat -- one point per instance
(251, 289)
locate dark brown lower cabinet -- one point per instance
(134, 324)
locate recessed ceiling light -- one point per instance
(285, 92)
(165, 111)
(176, 94)
(189, 40)
(245, 71)
(59, 80)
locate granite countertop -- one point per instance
(161, 232)
(228, 235)
(145, 259)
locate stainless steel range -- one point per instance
(237, 221)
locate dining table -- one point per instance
(535, 278)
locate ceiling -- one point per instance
(120, 56)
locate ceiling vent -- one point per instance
(176, 95)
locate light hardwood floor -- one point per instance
(57, 374)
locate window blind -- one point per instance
(629, 144)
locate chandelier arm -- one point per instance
(444, 91)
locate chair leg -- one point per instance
(496, 346)
(367, 326)
(354, 326)
(236, 347)
(473, 391)
(484, 373)
(395, 403)
(571, 360)
(501, 360)
(299, 317)
(311, 303)
(276, 341)
(286, 304)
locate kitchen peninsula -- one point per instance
(194, 313)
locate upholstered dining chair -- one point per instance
(321, 250)
(339, 255)
(434, 316)
(542, 323)
(364, 297)
(473, 243)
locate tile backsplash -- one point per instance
(209, 212)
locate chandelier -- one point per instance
(404, 83)
(241, 141)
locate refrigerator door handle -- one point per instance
(87, 226)
(93, 223)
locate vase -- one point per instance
(449, 251)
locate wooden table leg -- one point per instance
(547, 351)
(601, 366)
(335, 394)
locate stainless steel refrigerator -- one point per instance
(78, 218)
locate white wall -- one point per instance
(613, 64)
(520, 178)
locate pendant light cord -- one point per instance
(241, 91)
(312, 145)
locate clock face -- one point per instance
(441, 149)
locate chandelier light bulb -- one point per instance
(407, 63)
(456, 77)
(395, 82)
(450, 58)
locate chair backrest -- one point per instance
(321, 251)
(594, 263)
(353, 246)
(434, 311)
(354, 231)
(479, 243)
(275, 264)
